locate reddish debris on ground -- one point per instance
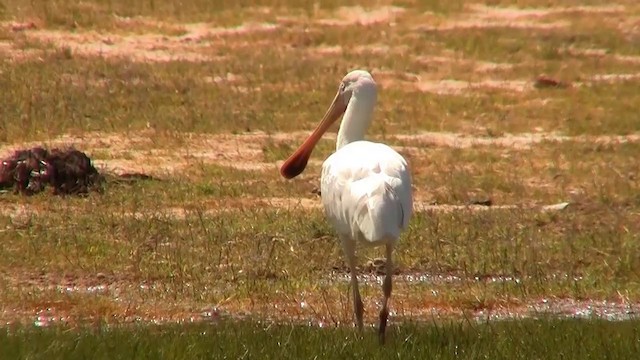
(544, 81)
(18, 26)
(67, 171)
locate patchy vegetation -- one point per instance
(514, 107)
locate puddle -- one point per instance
(585, 309)
(45, 318)
(96, 289)
(311, 308)
(50, 317)
(368, 278)
(563, 308)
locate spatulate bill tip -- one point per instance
(294, 166)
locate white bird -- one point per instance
(365, 186)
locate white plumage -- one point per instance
(365, 186)
(369, 202)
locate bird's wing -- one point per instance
(333, 184)
(368, 192)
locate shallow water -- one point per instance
(531, 308)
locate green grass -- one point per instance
(529, 339)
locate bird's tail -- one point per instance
(379, 215)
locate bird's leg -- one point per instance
(357, 301)
(349, 252)
(386, 289)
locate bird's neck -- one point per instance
(357, 118)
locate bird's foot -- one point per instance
(384, 315)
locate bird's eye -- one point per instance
(342, 86)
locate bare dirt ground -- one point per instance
(189, 45)
(137, 152)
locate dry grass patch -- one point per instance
(572, 172)
(357, 15)
(209, 98)
(185, 42)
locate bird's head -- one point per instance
(354, 82)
